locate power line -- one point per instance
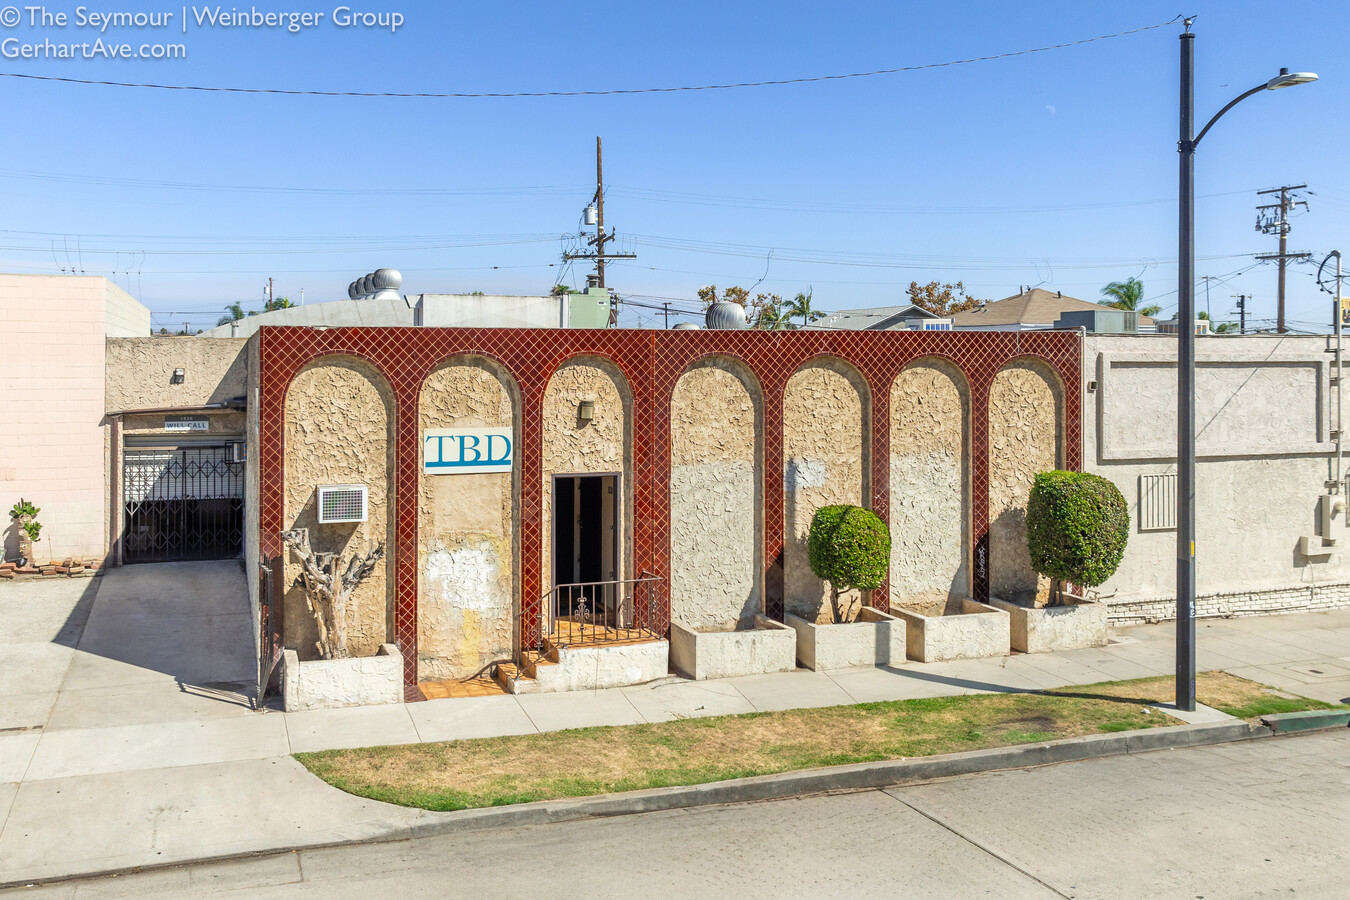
(596, 93)
(658, 196)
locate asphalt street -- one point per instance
(1259, 819)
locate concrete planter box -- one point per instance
(333, 683)
(875, 639)
(969, 631)
(1078, 623)
(768, 647)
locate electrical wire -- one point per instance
(595, 93)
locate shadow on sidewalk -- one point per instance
(188, 620)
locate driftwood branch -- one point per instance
(327, 593)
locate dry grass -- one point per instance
(587, 761)
(1227, 693)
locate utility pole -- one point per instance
(1207, 279)
(600, 238)
(665, 311)
(1242, 311)
(269, 295)
(1273, 218)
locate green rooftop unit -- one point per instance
(588, 308)
(1100, 321)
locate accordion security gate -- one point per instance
(181, 504)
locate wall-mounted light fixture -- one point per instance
(585, 411)
(177, 377)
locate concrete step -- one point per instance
(520, 679)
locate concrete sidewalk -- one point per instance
(127, 736)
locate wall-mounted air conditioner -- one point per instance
(342, 503)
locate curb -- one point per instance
(835, 779)
(1311, 720)
(840, 779)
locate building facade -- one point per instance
(706, 451)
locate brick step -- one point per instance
(508, 673)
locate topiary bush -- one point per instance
(850, 548)
(1077, 526)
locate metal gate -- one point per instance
(185, 503)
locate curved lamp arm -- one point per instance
(1218, 115)
(1282, 80)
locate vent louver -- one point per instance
(342, 503)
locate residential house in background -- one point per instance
(1038, 310)
(883, 318)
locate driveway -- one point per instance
(149, 643)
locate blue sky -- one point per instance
(1054, 168)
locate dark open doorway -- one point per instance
(585, 531)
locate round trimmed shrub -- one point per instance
(1077, 526)
(849, 547)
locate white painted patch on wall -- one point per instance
(805, 473)
(466, 576)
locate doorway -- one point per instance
(183, 502)
(585, 549)
(585, 529)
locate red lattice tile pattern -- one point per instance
(652, 362)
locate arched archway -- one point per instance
(468, 572)
(826, 410)
(716, 495)
(930, 486)
(1026, 435)
(339, 429)
(581, 443)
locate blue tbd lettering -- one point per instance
(472, 450)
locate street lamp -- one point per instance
(1185, 693)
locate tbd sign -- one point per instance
(467, 451)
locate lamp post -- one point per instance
(1185, 692)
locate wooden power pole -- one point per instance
(1273, 218)
(600, 238)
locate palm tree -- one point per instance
(236, 312)
(279, 303)
(1127, 294)
(1124, 294)
(801, 306)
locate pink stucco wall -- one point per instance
(53, 443)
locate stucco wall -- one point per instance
(140, 371)
(219, 421)
(466, 558)
(715, 416)
(930, 498)
(339, 430)
(1265, 409)
(602, 445)
(1024, 438)
(824, 421)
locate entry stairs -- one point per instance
(562, 666)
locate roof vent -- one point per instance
(382, 284)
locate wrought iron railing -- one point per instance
(595, 612)
(599, 612)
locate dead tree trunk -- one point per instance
(327, 592)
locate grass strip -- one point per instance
(587, 761)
